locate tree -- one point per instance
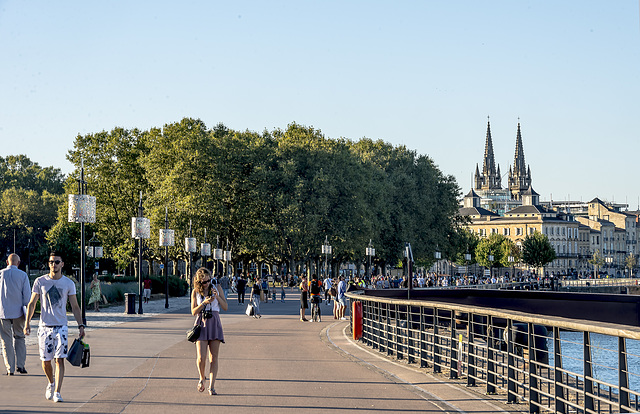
(491, 246)
(466, 242)
(537, 250)
(29, 199)
(596, 261)
(630, 262)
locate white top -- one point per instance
(14, 292)
(53, 299)
(214, 306)
(327, 283)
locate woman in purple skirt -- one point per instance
(206, 302)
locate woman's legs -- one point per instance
(256, 304)
(201, 360)
(214, 349)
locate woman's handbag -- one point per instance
(194, 333)
(250, 310)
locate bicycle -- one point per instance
(315, 308)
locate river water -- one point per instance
(604, 357)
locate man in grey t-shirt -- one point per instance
(53, 290)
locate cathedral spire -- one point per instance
(518, 160)
(520, 176)
(490, 178)
(489, 163)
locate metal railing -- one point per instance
(552, 364)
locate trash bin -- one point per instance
(130, 303)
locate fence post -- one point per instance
(557, 370)
(491, 373)
(436, 343)
(588, 371)
(623, 376)
(471, 361)
(453, 349)
(511, 372)
(534, 397)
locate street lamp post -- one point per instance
(167, 238)
(408, 253)
(217, 255)
(437, 255)
(94, 250)
(467, 259)
(227, 259)
(140, 229)
(512, 260)
(190, 247)
(205, 249)
(82, 209)
(370, 251)
(490, 257)
(326, 250)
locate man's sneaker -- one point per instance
(21, 370)
(57, 397)
(49, 392)
(343, 319)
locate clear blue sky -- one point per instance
(425, 74)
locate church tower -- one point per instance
(520, 175)
(490, 177)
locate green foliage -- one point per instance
(270, 197)
(492, 246)
(466, 241)
(537, 250)
(30, 196)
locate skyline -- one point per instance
(420, 74)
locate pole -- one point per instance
(166, 263)
(140, 214)
(81, 188)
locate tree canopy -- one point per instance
(30, 196)
(537, 250)
(272, 196)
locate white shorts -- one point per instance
(146, 293)
(53, 342)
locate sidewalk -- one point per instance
(143, 364)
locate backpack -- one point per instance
(315, 287)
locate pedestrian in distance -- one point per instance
(304, 290)
(224, 284)
(315, 289)
(54, 291)
(206, 302)
(96, 293)
(282, 292)
(15, 292)
(146, 293)
(255, 299)
(241, 285)
(342, 298)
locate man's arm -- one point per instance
(77, 313)
(26, 291)
(31, 308)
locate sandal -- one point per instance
(212, 391)
(201, 385)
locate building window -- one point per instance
(519, 231)
(505, 231)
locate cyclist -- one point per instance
(315, 289)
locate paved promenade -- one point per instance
(276, 364)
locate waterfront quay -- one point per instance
(143, 364)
